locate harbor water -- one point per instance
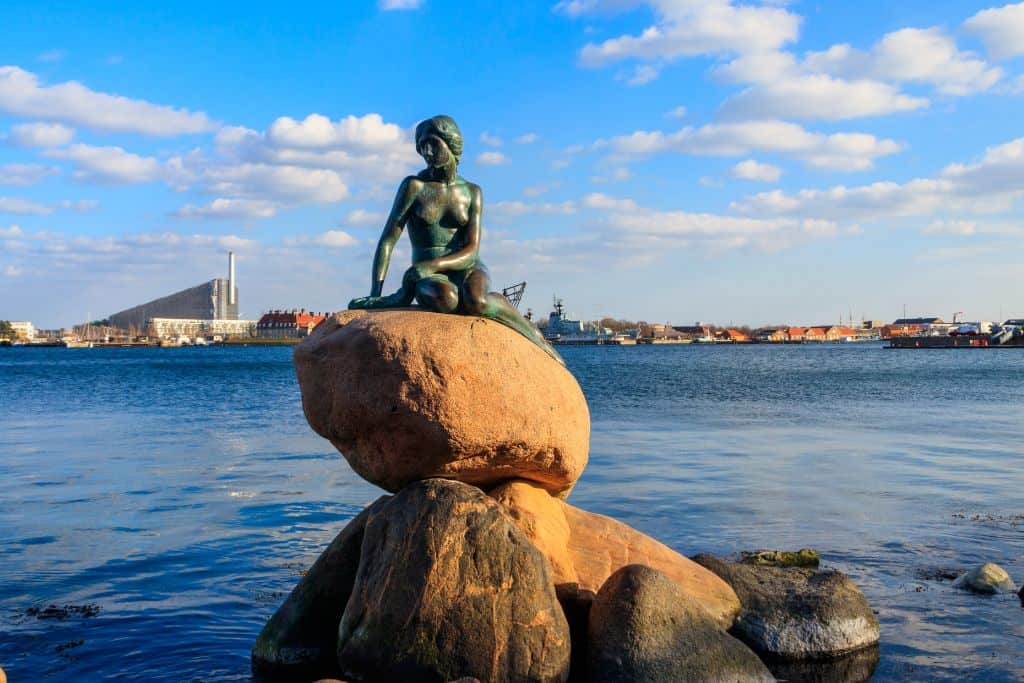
(157, 505)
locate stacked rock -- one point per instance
(476, 567)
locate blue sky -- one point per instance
(667, 160)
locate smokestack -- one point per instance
(231, 278)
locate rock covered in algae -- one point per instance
(449, 587)
(797, 613)
(986, 578)
(407, 395)
(644, 629)
(586, 548)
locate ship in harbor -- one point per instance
(562, 329)
(977, 335)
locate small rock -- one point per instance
(449, 587)
(987, 578)
(586, 548)
(407, 395)
(644, 629)
(797, 613)
(805, 557)
(298, 643)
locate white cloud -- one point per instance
(540, 188)
(228, 209)
(492, 140)
(750, 169)
(79, 205)
(643, 74)
(319, 132)
(616, 176)
(688, 28)
(388, 5)
(1001, 29)
(527, 139)
(21, 94)
(23, 175)
(40, 135)
(335, 239)
(990, 185)
(960, 228)
(677, 113)
(507, 210)
(13, 231)
(23, 207)
(910, 55)
(364, 218)
(491, 158)
(819, 97)
(838, 151)
(109, 165)
(290, 184)
(12, 271)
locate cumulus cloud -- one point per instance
(910, 55)
(1001, 29)
(990, 185)
(685, 28)
(959, 228)
(227, 209)
(502, 211)
(491, 158)
(388, 5)
(527, 139)
(291, 184)
(643, 74)
(677, 113)
(22, 94)
(335, 239)
(23, 207)
(364, 218)
(23, 175)
(109, 165)
(838, 151)
(40, 135)
(492, 140)
(750, 169)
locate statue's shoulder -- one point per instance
(473, 188)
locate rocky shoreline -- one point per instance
(477, 568)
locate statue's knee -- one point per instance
(437, 296)
(475, 305)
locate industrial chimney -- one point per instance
(231, 278)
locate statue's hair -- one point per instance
(445, 128)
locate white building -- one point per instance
(24, 329)
(167, 328)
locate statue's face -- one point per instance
(434, 151)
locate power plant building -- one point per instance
(216, 300)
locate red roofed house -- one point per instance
(796, 333)
(815, 334)
(731, 335)
(288, 324)
(839, 333)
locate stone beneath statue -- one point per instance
(407, 394)
(584, 549)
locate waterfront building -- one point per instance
(699, 332)
(814, 334)
(731, 335)
(287, 324)
(213, 300)
(24, 330)
(172, 328)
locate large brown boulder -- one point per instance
(406, 395)
(586, 548)
(796, 613)
(449, 587)
(644, 629)
(299, 641)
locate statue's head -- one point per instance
(439, 141)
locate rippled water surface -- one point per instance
(170, 498)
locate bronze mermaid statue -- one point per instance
(442, 211)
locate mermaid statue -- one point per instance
(442, 211)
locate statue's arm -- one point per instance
(465, 258)
(404, 199)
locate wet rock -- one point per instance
(299, 641)
(449, 587)
(407, 395)
(585, 548)
(805, 557)
(987, 578)
(643, 628)
(855, 667)
(797, 613)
